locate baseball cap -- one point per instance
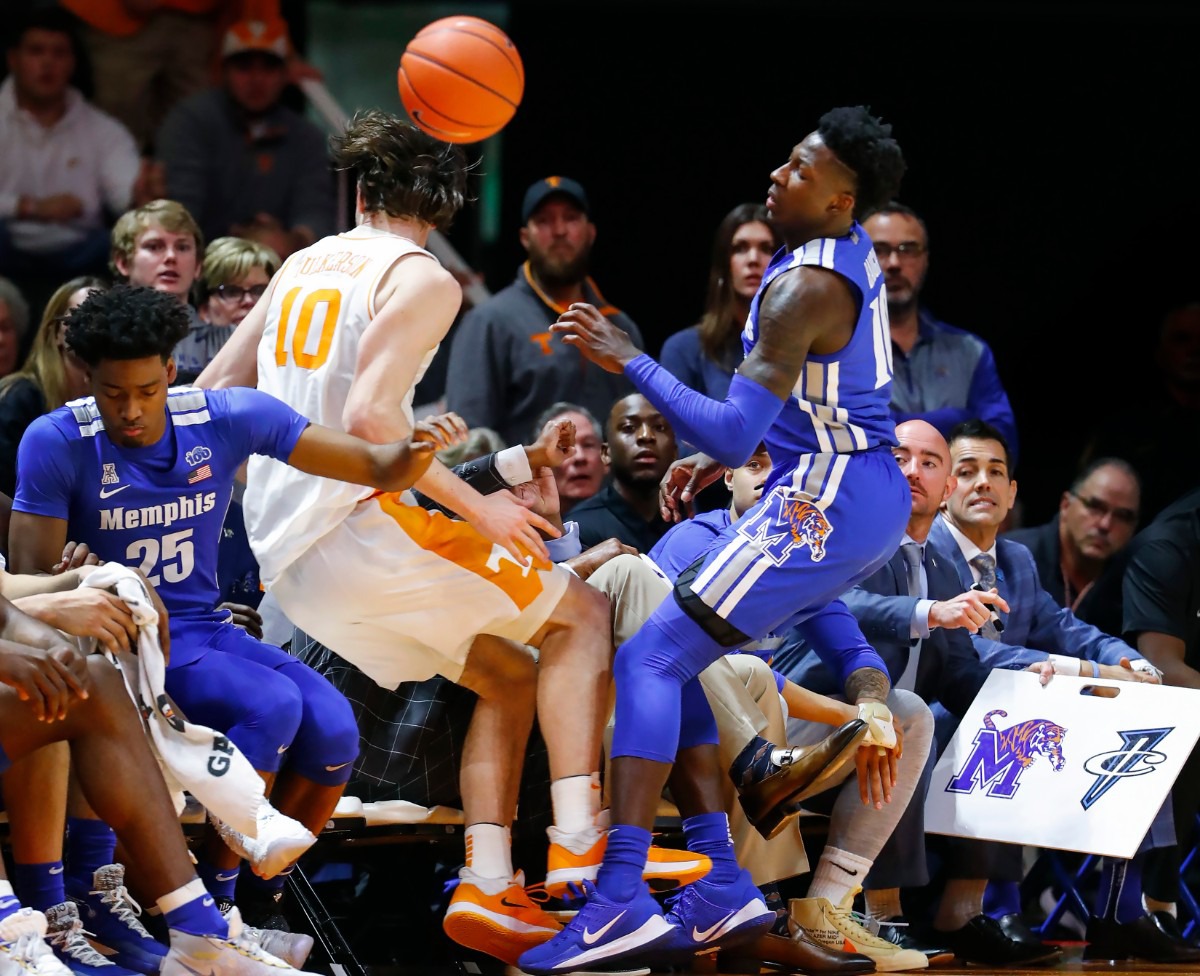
(266, 36)
(537, 193)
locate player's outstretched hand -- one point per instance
(554, 445)
(501, 519)
(245, 617)
(429, 436)
(684, 479)
(583, 327)
(47, 679)
(74, 555)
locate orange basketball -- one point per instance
(461, 79)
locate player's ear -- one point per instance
(842, 203)
(523, 236)
(172, 372)
(951, 484)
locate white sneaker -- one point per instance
(292, 947)
(23, 947)
(840, 928)
(65, 935)
(212, 955)
(280, 841)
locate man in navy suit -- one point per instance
(1036, 627)
(919, 617)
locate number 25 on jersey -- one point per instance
(324, 306)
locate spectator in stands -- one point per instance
(14, 320)
(639, 446)
(583, 473)
(1080, 553)
(240, 160)
(50, 377)
(1165, 426)
(705, 355)
(66, 168)
(234, 276)
(505, 365)
(159, 245)
(940, 374)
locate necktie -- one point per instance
(911, 553)
(986, 567)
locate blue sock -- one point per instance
(265, 887)
(708, 833)
(197, 917)
(1002, 898)
(40, 885)
(620, 877)
(220, 882)
(1120, 893)
(91, 844)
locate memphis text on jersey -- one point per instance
(186, 507)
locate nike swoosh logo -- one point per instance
(281, 750)
(698, 936)
(105, 493)
(591, 938)
(195, 972)
(334, 769)
(510, 904)
(227, 877)
(853, 874)
(207, 903)
(57, 870)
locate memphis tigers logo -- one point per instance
(1137, 756)
(999, 756)
(784, 523)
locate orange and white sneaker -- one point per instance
(497, 917)
(575, 858)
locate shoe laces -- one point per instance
(70, 940)
(863, 922)
(121, 904)
(27, 948)
(537, 893)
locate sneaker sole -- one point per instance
(635, 950)
(474, 927)
(660, 877)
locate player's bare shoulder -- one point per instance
(811, 305)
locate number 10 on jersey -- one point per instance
(329, 303)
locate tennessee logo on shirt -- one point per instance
(202, 472)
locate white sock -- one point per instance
(838, 874)
(575, 802)
(597, 794)
(1154, 905)
(962, 900)
(6, 889)
(181, 896)
(489, 851)
(883, 903)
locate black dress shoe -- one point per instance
(987, 941)
(1154, 937)
(772, 801)
(897, 931)
(799, 954)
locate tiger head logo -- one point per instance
(999, 756)
(1028, 740)
(808, 526)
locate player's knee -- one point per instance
(281, 710)
(501, 670)
(646, 653)
(106, 688)
(914, 716)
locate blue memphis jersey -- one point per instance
(840, 402)
(157, 508)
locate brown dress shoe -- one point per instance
(771, 802)
(798, 954)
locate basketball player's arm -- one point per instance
(422, 299)
(807, 306)
(236, 364)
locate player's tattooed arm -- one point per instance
(867, 684)
(803, 311)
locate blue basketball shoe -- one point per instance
(603, 934)
(705, 916)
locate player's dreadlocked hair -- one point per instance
(126, 322)
(401, 170)
(864, 144)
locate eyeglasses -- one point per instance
(235, 293)
(905, 249)
(1100, 509)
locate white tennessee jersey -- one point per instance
(322, 301)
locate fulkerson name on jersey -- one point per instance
(187, 507)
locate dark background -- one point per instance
(1050, 149)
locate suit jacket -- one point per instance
(1036, 625)
(948, 670)
(1101, 604)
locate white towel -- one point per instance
(192, 757)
